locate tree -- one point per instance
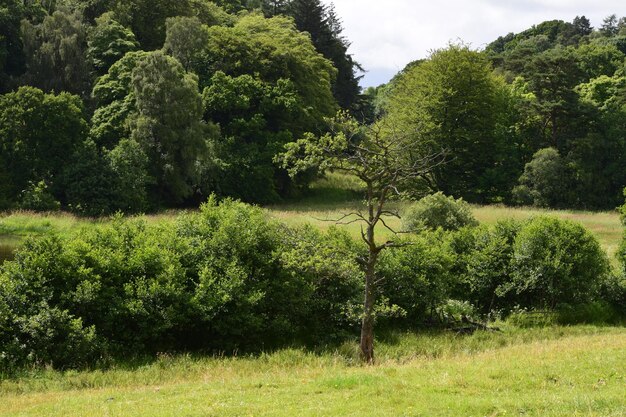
(55, 51)
(107, 42)
(129, 164)
(552, 76)
(325, 28)
(12, 59)
(582, 26)
(115, 101)
(384, 160)
(255, 118)
(169, 124)
(609, 26)
(185, 39)
(38, 136)
(453, 101)
(265, 84)
(544, 182)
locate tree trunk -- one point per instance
(367, 324)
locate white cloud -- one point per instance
(388, 34)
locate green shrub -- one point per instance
(225, 279)
(417, 278)
(39, 198)
(556, 262)
(486, 267)
(438, 211)
(327, 263)
(542, 183)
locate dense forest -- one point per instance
(131, 106)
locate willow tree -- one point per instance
(385, 160)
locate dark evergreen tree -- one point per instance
(273, 8)
(325, 28)
(582, 26)
(610, 26)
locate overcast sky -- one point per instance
(388, 34)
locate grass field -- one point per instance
(542, 372)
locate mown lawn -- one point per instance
(543, 372)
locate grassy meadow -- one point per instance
(556, 371)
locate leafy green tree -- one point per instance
(453, 101)
(38, 197)
(115, 101)
(109, 41)
(129, 165)
(89, 183)
(438, 211)
(599, 58)
(557, 262)
(38, 135)
(264, 83)
(545, 182)
(12, 59)
(185, 39)
(255, 118)
(609, 26)
(582, 26)
(169, 124)
(56, 53)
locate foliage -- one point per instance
(224, 279)
(418, 278)
(454, 102)
(38, 135)
(542, 183)
(384, 161)
(115, 102)
(129, 165)
(169, 124)
(484, 264)
(438, 211)
(325, 28)
(56, 53)
(37, 197)
(185, 38)
(108, 42)
(556, 262)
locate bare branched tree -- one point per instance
(386, 161)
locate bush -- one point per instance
(39, 198)
(485, 267)
(225, 279)
(438, 211)
(327, 263)
(556, 262)
(417, 278)
(544, 181)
